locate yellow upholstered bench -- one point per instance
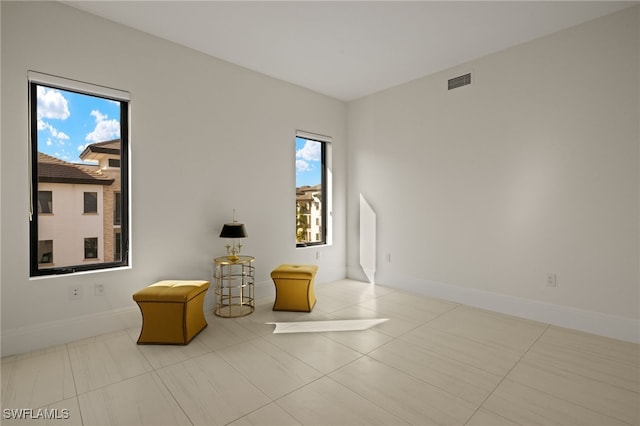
(294, 287)
(171, 311)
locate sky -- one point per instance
(69, 121)
(308, 162)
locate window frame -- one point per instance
(326, 192)
(34, 80)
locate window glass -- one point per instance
(311, 192)
(91, 202)
(45, 202)
(79, 141)
(45, 251)
(118, 245)
(117, 209)
(90, 248)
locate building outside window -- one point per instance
(79, 143)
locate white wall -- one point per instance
(207, 137)
(481, 191)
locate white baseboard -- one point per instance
(54, 333)
(613, 326)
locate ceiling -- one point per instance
(349, 49)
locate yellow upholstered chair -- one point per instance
(171, 311)
(294, 287)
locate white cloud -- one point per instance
(105, 129)
(310, 151)
(99, 116)
(43, 125)
(51, 104)
(302, 166)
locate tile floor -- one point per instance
(433, 363)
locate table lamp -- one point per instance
(234, 231)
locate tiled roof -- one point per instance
(51, 169)
(306, 192)
(304, 197)
(108, 147)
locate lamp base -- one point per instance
(232, 251)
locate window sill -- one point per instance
(95, 271)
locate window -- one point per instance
(79, 157)
(117, 209)
(45, 202)
(90, 248)
(117, 244)
(313, 189)
(45, 251)
(91, 202)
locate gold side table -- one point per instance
(234, 286)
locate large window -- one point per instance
(79, 158)
(313, 188)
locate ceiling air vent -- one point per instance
(463, 80)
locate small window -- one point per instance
(117, 212)
(91, 202)
(79, 148)
(45, 202)
(45, 251)
(312, 189)
(90, 248)
(118, 243)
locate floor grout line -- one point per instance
(508, 372)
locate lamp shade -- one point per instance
(233, 230)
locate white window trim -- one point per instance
(75, 85)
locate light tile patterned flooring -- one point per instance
(433, 363)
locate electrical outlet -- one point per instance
(75, 293)
(552, 280)
(99, 289)
(388, 257)
(317, 255)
